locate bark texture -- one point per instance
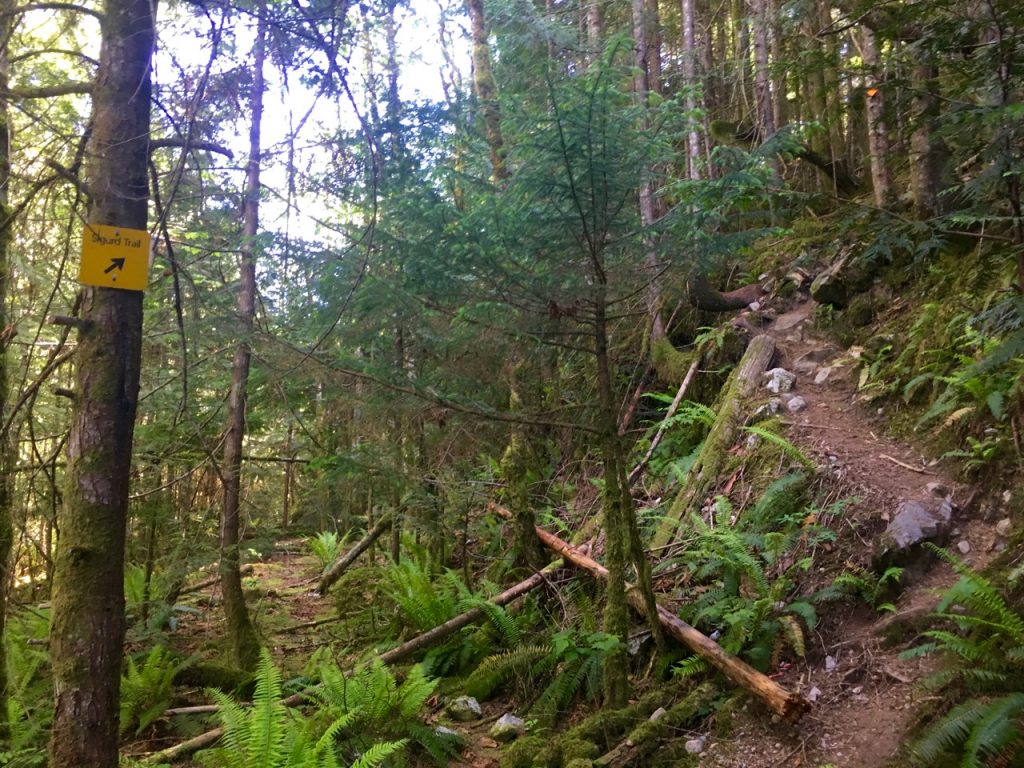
(88, 590)
(487, 89)
(878, 134)
(241, 633)
(731, 416)
(6, 518)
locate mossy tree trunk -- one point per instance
(878, 134)
(88, 584)
(622, 538)
(517, 465)
(240, 630)
(732, 413)
(6, 517)
(486, 89)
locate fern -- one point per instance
(787, 447)
(498, 669)
(984, 651)
(326, 546)
(375, 706)
(378, 753)
(269, 735)
(146, 688)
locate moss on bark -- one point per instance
(88, 584)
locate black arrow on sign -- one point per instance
(114, 264)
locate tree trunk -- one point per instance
(6, 455)
(762, 76)
(878, 136)
(647, 58)
(487, 89)
(87, 631)
(925, 150)
(622, 539)
(616, 618)
(240, 631)
(694, 146)
(515, 468)
(731, 415)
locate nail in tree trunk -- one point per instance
(240, 631)
(88, 585)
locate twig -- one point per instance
(903, 464)
(635, 473)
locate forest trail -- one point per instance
(864, 695)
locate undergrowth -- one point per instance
(980, 640)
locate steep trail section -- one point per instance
(864, 695)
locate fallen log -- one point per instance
(732, 414)
(788, 705)
(403, 651)
(246, 571)
(341, 565)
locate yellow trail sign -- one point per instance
(114, 257)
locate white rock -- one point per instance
(657, 714)
(1007, 497)
(508, 728)
(1004, 527)
(754, 306)
(695, 746)
(464, 709)
(780, 380)
(796, 404)
(964, 546)
(822, 375)
(830, 663)
(814, 694)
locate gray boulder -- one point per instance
(838, 284)
(508, 728)
(464, 708)
(914, 523)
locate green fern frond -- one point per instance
(949, 733)
(509, 632)
(495, 670)
(787, 447)
(691, 667)
(267, 733)
(378, 753)
(996, 729)
(414, 692)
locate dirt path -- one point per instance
(865, 695)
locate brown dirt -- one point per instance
(866, 704)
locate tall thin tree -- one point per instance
(241, 633)
(88, 583)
